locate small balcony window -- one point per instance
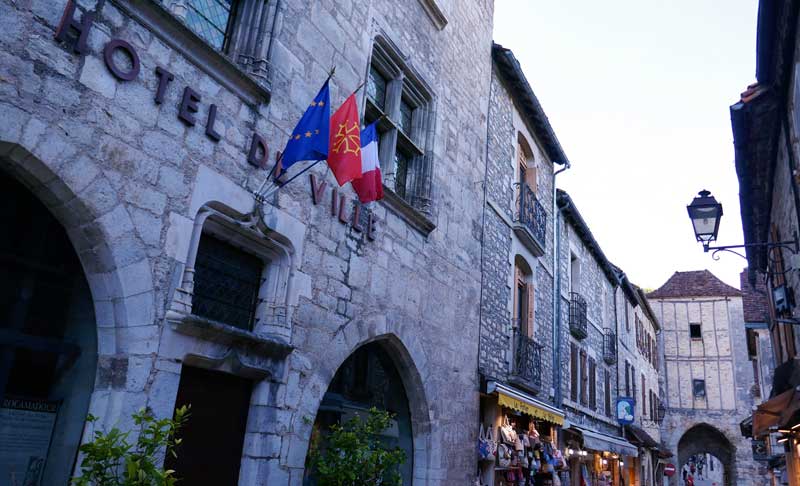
(578, 324)
(609, 346)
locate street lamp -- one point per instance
(705, 213)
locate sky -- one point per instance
(638, 93)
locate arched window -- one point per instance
(523, 297)
(48, 342)
(526, 165)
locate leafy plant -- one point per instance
(112, 460)
(353, 454)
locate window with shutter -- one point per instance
(592, 384)
(627, 379)
(608, 393)
(573, 361)
(584, 378)
(644, 398)
(531, 306)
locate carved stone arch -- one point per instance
(113, 273)
(705, 438)
(410, 363)
(116, 269)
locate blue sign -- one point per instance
(626, 408)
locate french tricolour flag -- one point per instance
(369, 187)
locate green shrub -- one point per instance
(111, 460)
(353, 454)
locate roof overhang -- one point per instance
(511, 72)
(755, 125)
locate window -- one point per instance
(592, 384)
(401, 103)
(226, 283)
(584, 378)
(526, 164)
(695, 331)
(573, 360)
(211, 20)
(608, 393)
(523, 297)
(699, 388)
(644, 397)
(627, 379)
(574, 273)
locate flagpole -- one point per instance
(277, 187)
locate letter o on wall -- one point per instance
(108, 55)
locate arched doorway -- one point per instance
(705, 454)
(369, 378)
(48, 343)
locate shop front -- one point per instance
(780, 417)
(599, 459)
(519, 443)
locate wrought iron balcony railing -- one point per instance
(527, 370)
(530, 219)
(578, 324)
(610, 346)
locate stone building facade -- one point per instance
(517, 334)
(132, 123)
(765, 122)
(639, 334)
(707, 375)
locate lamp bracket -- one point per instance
(792, 245)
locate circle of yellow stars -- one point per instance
(308, 133)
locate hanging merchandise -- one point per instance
(559, 461)
(507, 433)
(525, 440)
(503, 455)
(486, 444)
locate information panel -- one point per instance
(26, 427)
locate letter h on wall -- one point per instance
(68, 22)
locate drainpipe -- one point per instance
(483, 215)
(557, 295)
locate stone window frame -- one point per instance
(245, 69)
(526, 277)
(697, 392)
(403, 85)
(699, 327)
(271, 317)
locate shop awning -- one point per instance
(638, 436)
(603, 442)
(775, 412)
(522, 402)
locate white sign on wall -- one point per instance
(26, 426)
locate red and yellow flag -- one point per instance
(344, 151)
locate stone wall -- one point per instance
(127, 178)
(720, 358)
(598, 292)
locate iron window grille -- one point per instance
(226, 283)
(578, 323)
(530, 212)
(609, 346)
(527, 360)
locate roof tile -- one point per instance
(697, 283)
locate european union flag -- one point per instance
(310, 138)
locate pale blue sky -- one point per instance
(638, 92)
